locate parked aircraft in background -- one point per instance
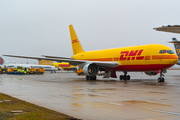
(14, 65)
(172, 29)
(145, 58)
(177, 48)
(64, 66)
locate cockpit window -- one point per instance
(166, 51)
(170, 52)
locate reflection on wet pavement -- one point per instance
(141, 98)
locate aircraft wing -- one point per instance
(72, 62)
(56, 57)
(169, 28)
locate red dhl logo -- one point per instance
(75, 41)
(131, 55)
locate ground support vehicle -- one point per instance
(80, 71)
(19, 70)
(27, 71)
(0, 70)
(3, 70)
(37, 71)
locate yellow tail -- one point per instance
(76, 46)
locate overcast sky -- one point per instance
(41, 27)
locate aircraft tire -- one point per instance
(90, 77)
(121, 77)
(128, 77)
(93, 77)
(87, 77)
(160, 79)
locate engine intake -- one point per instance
(90, 69)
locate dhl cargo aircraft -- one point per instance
(145, 58)
(62, 65)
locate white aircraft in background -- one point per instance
(14, 65)
(46, 67)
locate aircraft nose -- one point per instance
(173, 59)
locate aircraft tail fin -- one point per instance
(177, 47)
(76, 46)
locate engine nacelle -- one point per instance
(90, 69)
(151, 73)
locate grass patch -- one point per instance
(15, 109)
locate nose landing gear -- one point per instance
(161, 79)
(124, 77)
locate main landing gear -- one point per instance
(161, 79)
(90, 77)
(124, 77)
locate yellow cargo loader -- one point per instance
(80, 71)
(37, 71)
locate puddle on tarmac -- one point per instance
(143, 104)
(131, 104)
(94, 95)
(77, 104)
(76, 87)
(157, 92)
(95, 104)
(79, 95)
(103, 89)
(78, 90)
(89, 95)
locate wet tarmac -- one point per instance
(141, 98)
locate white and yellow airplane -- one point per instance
(64, 66)
(145, 58)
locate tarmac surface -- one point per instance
(141, 98)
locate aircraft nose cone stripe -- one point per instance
(173, 57)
